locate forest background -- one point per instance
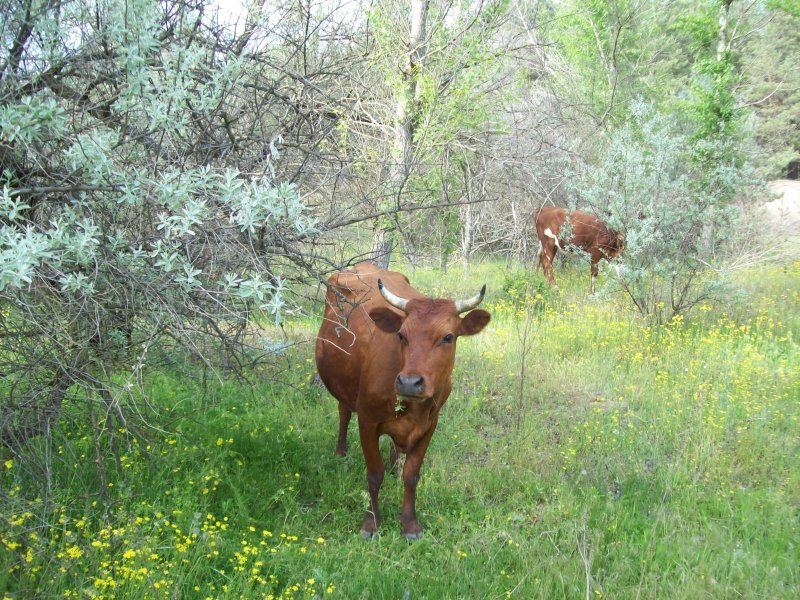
(178, 182)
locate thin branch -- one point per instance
(64, 189)
(400, 209)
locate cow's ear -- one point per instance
(386, 319)
(474, 322)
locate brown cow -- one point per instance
(589, 234)
(387, 352)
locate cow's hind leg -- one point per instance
(344, 420)
(546, 257)
(375, 471)
(595, 258)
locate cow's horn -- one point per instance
(465, 305)
(395, 301)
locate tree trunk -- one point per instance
(518, 242)
(382, 245)
(722, 39)
(405, 107)
(467, 234)
(466, 239)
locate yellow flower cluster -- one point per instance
(152, 555)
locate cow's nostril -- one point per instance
(410, 384)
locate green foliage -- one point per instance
(603, 43)
(122, 224)
(791, 7)
(736, 86)
(452, 92)
(713, 104)
(526, 286)
(771, 85)
(32, 119)
(678, 57)
(698, 28)
(673, 209)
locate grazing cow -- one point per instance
(386, 352)
(588, 233)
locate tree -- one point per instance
(406, 102)
(771, 90)
(607, 46)
(125, 230)
(649, 184)
(442, 69)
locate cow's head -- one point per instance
(615, 244)
(427, 334)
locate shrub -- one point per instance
(675, 208)
(525, 286)
(123, 227)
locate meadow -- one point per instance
(582, 454)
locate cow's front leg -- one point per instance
(412, 530)
(375, 469)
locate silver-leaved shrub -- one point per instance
(679, 213)
(129, 233)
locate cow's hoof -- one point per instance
(413, 537)
(369, 535)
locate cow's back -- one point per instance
(592, 234)
(348, 340)
(588, 232)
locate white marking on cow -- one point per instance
(549, 233)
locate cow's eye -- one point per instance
(448, 339)
(401, 337)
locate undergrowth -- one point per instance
(633, 461)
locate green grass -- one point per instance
(650, 462)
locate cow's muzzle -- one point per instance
(410, 385)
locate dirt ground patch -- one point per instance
(784, 211)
